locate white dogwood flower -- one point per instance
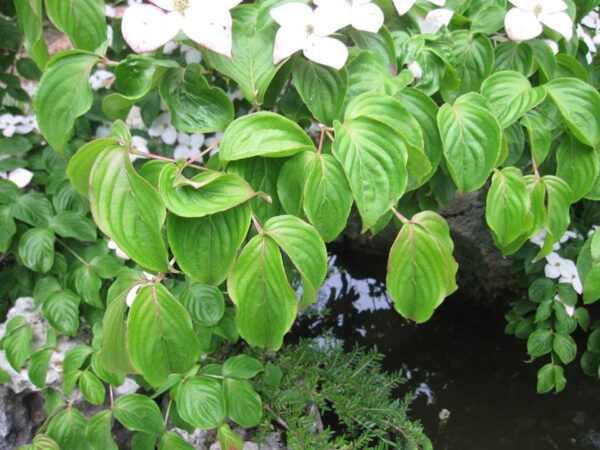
(19, 176)
(189, 145)
(191, 54)
(435, 19)
(101, 79)
(337, 14)
(416, 69)
(527, 19)
(208, 22)
(162, 128)
(563, 269)
(133, 292)
(301, 29)
(403, 6)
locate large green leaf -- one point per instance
(195, 106)
(263, 134)
(538, 134)
(474, 56)
(70, 224)
(579, 105)
(507, 206)
(471, 138)
(31, 19)
(306, 250)
(558, 201)
(17, 341)
(36, 249)
(128, 209)
(139, 413)
(82, 20)
(327, 196)
(8, 228)
(251, 64)
(321, 88)
(204, 194)
(61, 309)
(80, 165)
(244, 405)
(63, 95)
(67, 428)
(160, 336)
(374, 159)
(421, 269)
(266, 303)
(510, 96)
(200, 402)
(578, 165)
(206, 247)
(205, 304)
(99, 431)
(292, 179)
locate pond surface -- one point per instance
(460, 361)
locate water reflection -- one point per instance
(474, 388)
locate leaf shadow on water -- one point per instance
(460, 361)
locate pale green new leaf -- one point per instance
(128, 209)
(258, 286)
(206, 247)
(579, 105)
(471, 138)
(63, 95)
(200, 402)
(263, 134)
(510, 96)
(244, 405)
(306, 250)
(204, 194)
(160, 336)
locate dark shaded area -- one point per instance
(460, 361)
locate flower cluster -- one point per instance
(101, 79)
(16, 124)
(528, 17)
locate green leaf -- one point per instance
(82, 20)
(229, 439)
(99, 431)
(172, 441)
(510, 96)
(327, 196)
(17, 341)
(36, 249)
(38, 367)
(541, 290)
(205, 304)
(139, 413)
(76, 358)
(32, 208)
(321, 88)
(538, 134)
(204, 194)
(252, 63)
(128, 209)
(374, 159)
(471, 138)
(200, 402)
(263, 134)
(88, 285)
(421, 269)
(160, 336)
(306, 250)
(15, 145)
(591, 285)
(565, 348)
(8, 228)
(512, 55)
(195, 106)
(63, 95)
(244, 405)
(474, 56)
(539, 342)
(292, 179)
(550, 377)
(579, 105)
(31, 18)
(74, 225)
(578, 165)
(595, 245)
(206, 247)
(242, 366)
(91, 388)
(43, 442)
(61, 309)
(543, 57)
(80, 165)
(507, 206)
(558, 202)
(68, 429)
(258, 286)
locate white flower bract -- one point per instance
(403, 6)
(337, 14)
(301, 29)
(19, 176)
(147, 27)
(189, 145)
(162, 128)
(526, 20)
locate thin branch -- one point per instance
(257, 224)
(70, 250)
(400, 217)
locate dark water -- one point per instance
(460, 361)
